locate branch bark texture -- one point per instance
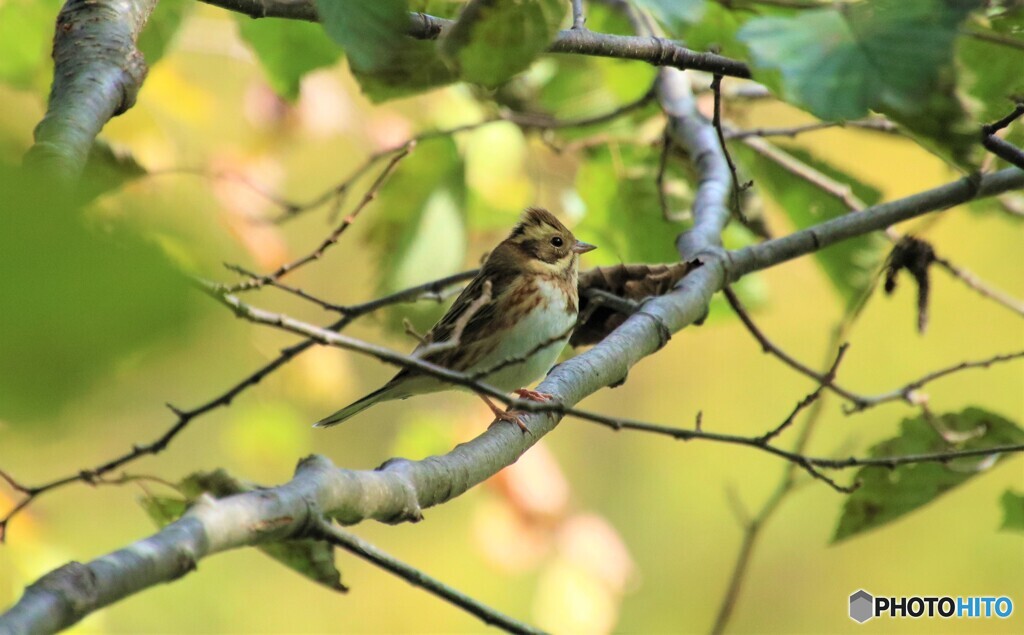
(653, 50)
(97, 74)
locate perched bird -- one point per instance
(509, 324)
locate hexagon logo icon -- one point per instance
(862, 606)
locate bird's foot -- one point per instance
(533, 395)
(510, 416)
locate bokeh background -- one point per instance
(592, 531)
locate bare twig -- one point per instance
(907, 391)
(716, 121)
(332, 238)
(873, 124)
(326, 531)
(768, 346)
(828, 377)
(1000, 147)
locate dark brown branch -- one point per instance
(1000, 147)
(326, 531)
(653, 50)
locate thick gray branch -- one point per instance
(97, 74)
(656, 51)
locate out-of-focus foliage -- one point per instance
(162, 27)
(1013, 511)
(312, 558)
(492, 41)
(387, 63)
(886, 494)
(82, 294)
(288, 50)
(617, 184)
(26, 27)
(891, 56)
(851, 264)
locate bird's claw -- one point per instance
(511, 417)
(533, 395)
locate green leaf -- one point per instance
(107, 169)
(892, 56)
(386, 62)
(418, 229)
(849, 264)
(1013, 511)
(163, 510)
(675, 15)
(26, 31)
(81, 295)
(313, 559)
(493, 40)
(287, 50)
(161, 27)
(886, 494)
(623, 214)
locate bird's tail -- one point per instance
(381, 394)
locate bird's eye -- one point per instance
(557, 241)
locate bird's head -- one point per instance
(542, 244)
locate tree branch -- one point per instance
(653, 50)
(325, 530)
(97, 74)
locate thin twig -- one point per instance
(809, 399)
(983, 288)
(325, 530)
(1000, 147)
(332, 238)
(907, 391)
(873, 124)
(769, 347)
(716, 122)
(841, 191)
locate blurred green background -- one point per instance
(592, 531)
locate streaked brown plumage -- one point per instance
(531, 280)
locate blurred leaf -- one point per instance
(313, 559)
(107, 169)
(623, 216)
(386, 61)
(161, 27)
(492, 40)
(439, 8)
(1013, 511)
(163, 510)
(886, 494)
(79, 298)
(892, 56)
(26, 30)
(418, 229)
(849, 264)
(674, 15)
(287, 50)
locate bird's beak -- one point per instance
(581, 247)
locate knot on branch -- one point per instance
(74, 583)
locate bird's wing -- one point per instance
(478, 330)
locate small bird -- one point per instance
(509, 324)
